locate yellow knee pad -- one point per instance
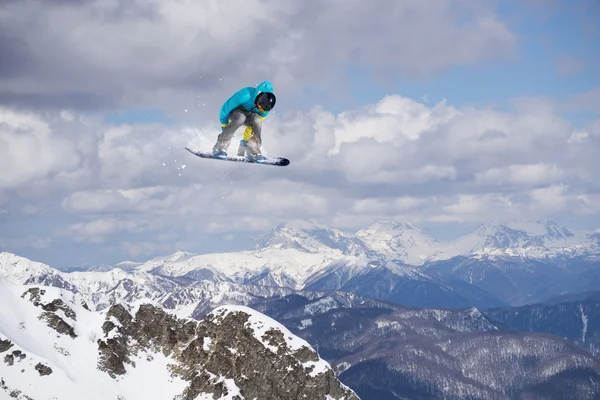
(247, 133)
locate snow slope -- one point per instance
(53, 346)
(72, 360)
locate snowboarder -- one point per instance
(248, 106)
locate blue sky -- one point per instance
(534, 70)
(113, 115)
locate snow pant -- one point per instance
(252, 133)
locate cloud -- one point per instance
(99, 55)
(529, 175)
(387, 206)
(28, 151)
(589, 204)
(477, 205)
(578, 136)
(98, 230)
(133, 190)
(550, 198)
(395, 147)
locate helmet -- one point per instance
(265, 101)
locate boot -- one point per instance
(242, 149)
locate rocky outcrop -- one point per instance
(16, 355)
(11, 393)
(52, 311)
(232, 351)
(43, 369)
(5, 345)
(51, 346)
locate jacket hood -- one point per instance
(265, 86)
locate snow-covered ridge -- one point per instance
(408, 244)
(53, 346)
(518, 239)
(291, 259)
(50, 364)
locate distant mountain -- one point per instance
(495, 266)
(571, 297)
(542, 239)
(402, 284)
(189, 287)
(384, 351)
(517, 280)
(312, 238)
(401, 242)
(53, 346)
(578, 321)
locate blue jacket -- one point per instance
(244, 98)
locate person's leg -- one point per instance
(244, 142)
(255, 141)
(237, 118)
(252, 136)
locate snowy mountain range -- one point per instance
(494, 266)
(385, 351)
(575, 319)
(540, 240)
(53, 346)
(310, 271)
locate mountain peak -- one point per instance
(404, 242)
(515, 238)
(532, 228)
(310, 237)
(391, 226)
(53, 346)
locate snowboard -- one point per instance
(277, 161)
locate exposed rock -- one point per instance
(34, 295)
(15, 394)
(43, 369)
(120, 313)
(219, 352)
(9, 359)
(53, 320)
(58, 304)
(5, 345)
(113, 355)
(58, 324)
(16, 355)
(19, 354)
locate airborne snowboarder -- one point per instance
(248, 106)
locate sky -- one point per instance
(446, 114)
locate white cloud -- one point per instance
(552, 198)
(478, 205)
(97, 231)
(140, 200)
(431, 164)
(394, 120)
(530, 175)
(386, 206)
(578, 136)
(589, 204)
(145, 249)
(29, 151)
(175, 55)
